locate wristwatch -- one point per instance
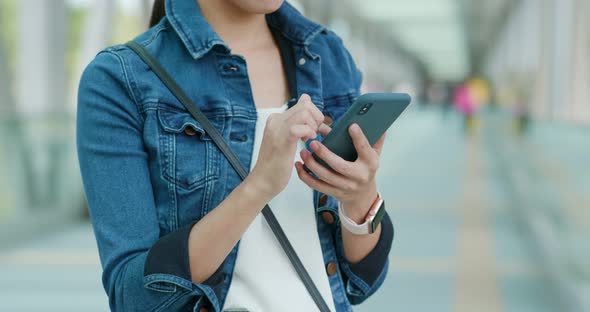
(372, 219)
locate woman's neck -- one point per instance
(239, 29)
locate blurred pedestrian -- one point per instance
(464, 104)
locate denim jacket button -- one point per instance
(302, 61)
(328, 120)
(203, 310)
(331, 268)
(328, 217)
(190, 131)
(323, 200)
(231, 68)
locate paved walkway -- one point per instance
(460, 241)
(59, 272)
(458, 244)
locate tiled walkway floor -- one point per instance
(459, 245)
(59, 272)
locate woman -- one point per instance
(176, 227)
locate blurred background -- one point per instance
(487, 176)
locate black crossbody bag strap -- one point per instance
(236, 164)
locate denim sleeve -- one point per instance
(362, 279)
(142, 270)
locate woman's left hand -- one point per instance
(351, 183)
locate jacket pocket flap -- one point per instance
(177, 122)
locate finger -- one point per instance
(317, 114)
(363, 148)
(313, 182)
(300, 105)
(304, 117)
(346, 168)
(378, 146)
(304, 98)
(331, 177)
(308, 104)
(303, 132)
(324, 129)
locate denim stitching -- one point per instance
(126, 82)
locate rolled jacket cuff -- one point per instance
(370, 267)
(167, 267)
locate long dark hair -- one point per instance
(158, 11)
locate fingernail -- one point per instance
(314, 145)
(355, 128)
(303, 153)
(304, 96)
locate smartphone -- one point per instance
(374, 113)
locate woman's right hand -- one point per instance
(276, 157)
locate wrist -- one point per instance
(369, 223)
(358, 208)
(258, 187)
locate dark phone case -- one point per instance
(385, 109)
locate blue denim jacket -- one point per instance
(150, 172)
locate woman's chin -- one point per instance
(258, 6)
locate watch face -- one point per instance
(378, 217)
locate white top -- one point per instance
(264, 279)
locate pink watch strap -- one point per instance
(365, 227)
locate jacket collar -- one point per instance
(198, 36)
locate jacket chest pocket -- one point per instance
(188, 156)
